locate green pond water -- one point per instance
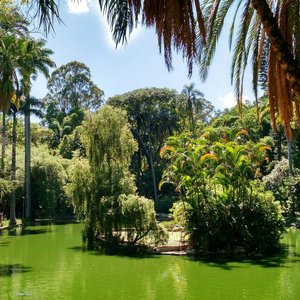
(46, 262)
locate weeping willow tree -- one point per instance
(103, 189)
(109, 145)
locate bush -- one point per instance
(48, 180)
(139, 222)
(227, 207)
(285, 187)
(180, 212)
(254, 225)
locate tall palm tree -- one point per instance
(13, 111)
(31, 106)
(35, 58)
(194, 99)
(11, 23)
(9, 56)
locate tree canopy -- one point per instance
(71, 88)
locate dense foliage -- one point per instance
(114, 214)
(48, 175)
(286, 189)
(227, 209)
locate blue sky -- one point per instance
(86, 37)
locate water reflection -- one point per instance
(27, 230)
(8, 270)
(4, 243)
(61, 270)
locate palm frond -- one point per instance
(214, 15)
(47, 12)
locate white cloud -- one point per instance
(229, 100)
(109, 37)
(78, 6)
(86, 6)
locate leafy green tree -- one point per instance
(71, 94)
(285, 187)
(152, 114)
(49, 175)
(107, 197)
(198, 108)
(110, 146)
(71, 88)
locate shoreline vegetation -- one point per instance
(177, 244)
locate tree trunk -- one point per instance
(12, 217)
(150, 163)
(278, 44)
(3, 133)
(290, 160)
(153, 177)
(27, 162)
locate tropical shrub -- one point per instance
(180, 212)
(227, 206)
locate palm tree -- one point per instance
(194, 105)
(271, 43)
(12, 215)
(35, 58)
(11, 23)
(30, 106)
(9, 56)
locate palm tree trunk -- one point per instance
(3, 133)
(27, 162)
(278, 44)
(12, 217)
(290, 160)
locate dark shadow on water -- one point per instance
(41, 222)
(4, 244)
(124, 252)
(282, 259)
(8, 270)
(27, 231)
